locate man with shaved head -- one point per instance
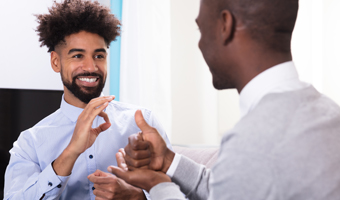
(287, 142)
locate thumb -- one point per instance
(119, 172)
(121, 161)
(140, 121)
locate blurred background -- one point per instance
(156, 64)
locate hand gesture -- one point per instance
(84, 135)
(142, 178)
(148, 148)
(108, 186)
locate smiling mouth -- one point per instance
(89, 80)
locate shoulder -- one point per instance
(55, 119)
(296, 105)
(290, 116)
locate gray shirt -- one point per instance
(287, 147)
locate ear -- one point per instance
(228, 26)
(55, 61)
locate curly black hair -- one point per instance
(73, 16)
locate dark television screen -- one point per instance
(20, 110)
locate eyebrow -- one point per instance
(82, 50)
(100, 50)
(76, 50)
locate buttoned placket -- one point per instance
(91, 160)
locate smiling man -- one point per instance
(53, 159)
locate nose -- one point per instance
(89, 65)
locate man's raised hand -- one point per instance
(148, 148)
(83, 135)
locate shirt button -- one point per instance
(50, 184)
(59, 186)
(90, 156)
(93, 188)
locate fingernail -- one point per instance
(109, 169)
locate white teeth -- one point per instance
(89, 80)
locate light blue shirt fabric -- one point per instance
(29, 174)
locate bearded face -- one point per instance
(83, 93)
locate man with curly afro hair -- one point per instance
(57, 158)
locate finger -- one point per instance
(140, 121)
(96, 173)
(121, 150)
(138, 155)
(101, 128)
(121, 161)
(120, 173)
(137, 163)
(111, 179)
(90, 113)
(95, 104)
(136, 142)
(105, 116)
(112, 97)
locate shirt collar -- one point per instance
(264, 83)
(71, 112)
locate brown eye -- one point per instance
(99, 56)
(77, 56)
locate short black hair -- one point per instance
(270, 22)
(73, 16)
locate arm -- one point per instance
(157, 183)
(24, 177)
(148, 148)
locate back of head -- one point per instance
(73, 16)
(269, 22)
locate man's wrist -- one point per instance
(63, 165)
(168, 158)
(139, 195)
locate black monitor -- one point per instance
(20, 110)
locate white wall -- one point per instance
(24, 64)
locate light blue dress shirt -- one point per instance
(29, 174)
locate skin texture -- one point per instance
(234, 57)
(81, 53)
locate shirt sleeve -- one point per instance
(166, 191)
(24, 178)
(174, 165)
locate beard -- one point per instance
(84, 94)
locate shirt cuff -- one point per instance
(147, 195)
(49, 181)
(174, 165)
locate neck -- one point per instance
(255, 63)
